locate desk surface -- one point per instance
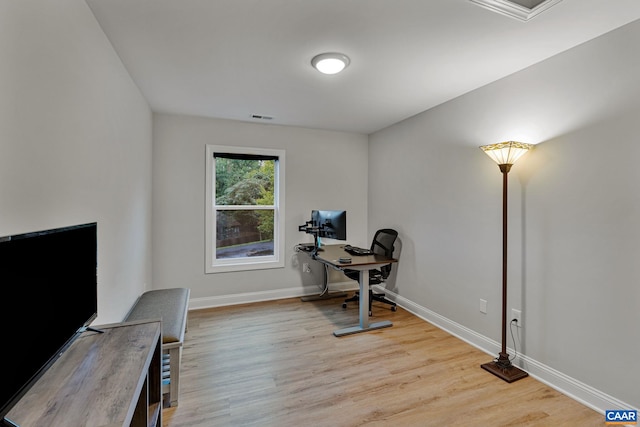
(332, 253)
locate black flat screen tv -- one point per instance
(48, 297)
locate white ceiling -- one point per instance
(235, 58)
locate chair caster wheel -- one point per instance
(393, 308)
(344, 305)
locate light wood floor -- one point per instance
(278, 364)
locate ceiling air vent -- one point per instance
(519, 9)
(261, 117)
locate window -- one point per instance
(244, 209)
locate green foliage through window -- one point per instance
(242, 182)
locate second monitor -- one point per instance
(330, 224)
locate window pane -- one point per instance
(243, 182)
(244, 200)
(244, 233)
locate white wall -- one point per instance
(75, 147)
(574, 204)
(75, 141)
(324, 170)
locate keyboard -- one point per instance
(354, 250)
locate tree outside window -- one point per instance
(245, 201)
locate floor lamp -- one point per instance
(505, 155)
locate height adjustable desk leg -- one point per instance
(364, 298)
(363, 310)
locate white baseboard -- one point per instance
(566, 385)
(248, 297)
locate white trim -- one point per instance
(249, 297)
(257, 263)
(514, 10)
(581, 392)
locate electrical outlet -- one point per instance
(483, 306)
(517, 316)
(306, 268)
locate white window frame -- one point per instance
(213, 265)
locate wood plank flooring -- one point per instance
(277, 363)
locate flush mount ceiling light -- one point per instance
(519, 9)
(330, 63)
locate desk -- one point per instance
(329, 256)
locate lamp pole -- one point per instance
(504, 356)
(505, 154)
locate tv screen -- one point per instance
(330, 224)
(48, 297)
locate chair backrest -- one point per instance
(382, 244)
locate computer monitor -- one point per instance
(330, 224)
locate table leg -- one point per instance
(364, 298)
(364, 325)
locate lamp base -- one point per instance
(503, 369)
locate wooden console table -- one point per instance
(103, 379)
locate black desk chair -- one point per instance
(382, 244)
